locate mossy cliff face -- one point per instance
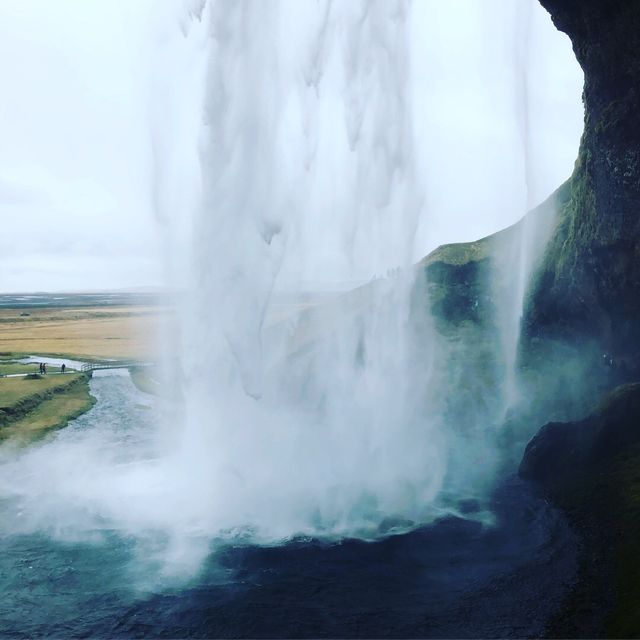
(580, 327)
(585, 296)
(589, 284)
(471, 290)
(581, 313)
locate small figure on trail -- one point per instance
(41, 368)
(63, 367)
(44, 367)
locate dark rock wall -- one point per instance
(589, 285)
(560, 450)
(590, 469)
(586, 296)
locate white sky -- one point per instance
(79, 103)
(74, 155)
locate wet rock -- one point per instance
(469, 506)
(591, 469)
(390, 524)
(561, 451)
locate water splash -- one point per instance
(332, 418)
(292, 411)
(291, 442)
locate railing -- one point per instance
(115, 364)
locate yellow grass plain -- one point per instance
(83, 333)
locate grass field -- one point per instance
(31, 406)
(82, 333)
(9, 368)
(14, 390)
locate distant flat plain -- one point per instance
(125, 326)
(80, 327)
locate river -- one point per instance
(65, 570)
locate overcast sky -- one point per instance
(80, 96)
(74, 159)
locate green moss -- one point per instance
(460, 253)
(617, 112)
(577, 225)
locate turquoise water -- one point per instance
(65, 570)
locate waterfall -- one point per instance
(307, 408)
(307, 155)
(307, 148)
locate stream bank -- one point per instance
(32, 405)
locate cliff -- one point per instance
(586, 295)
(579, 351)
(588, 287)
